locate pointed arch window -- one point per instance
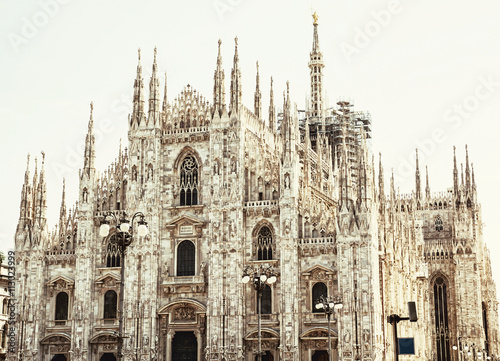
(62, 300)
(266, 301)
(485, 327)
(113, 253)
(110, 304)
(186, 259)
(441, 320)
(4, 336)
(189, 181)
(265, 244)
(319, 289)
(438, 223)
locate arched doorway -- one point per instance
(59, 357)
(267, 356)
(320, 355)
(108, 357)
(184, 347)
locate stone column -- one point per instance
(170, 336)
(198, 338)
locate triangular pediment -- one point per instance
(108, 276)
(61, 280)
(318, 269)
(185, 220)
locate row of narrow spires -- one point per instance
(466, 188)
(138, 116)
(157, 107)
(33, 208)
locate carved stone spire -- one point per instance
(89, 156)
(41, 196)
(427, 188)
(381, 183)
(219, 90)
(272, 110)
(235, 80)
(417, 178)
(257, 95)
(455, 172)
(316, 66)
(138, 102)
(467, 170)
(26, 196)
(62, 211)
(154, 96)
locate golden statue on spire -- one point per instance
(315, 17)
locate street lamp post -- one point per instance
(260, 276)
(459, 348)
(329, 306)
(123, 237)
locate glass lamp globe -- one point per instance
(245, 279)
(124, 227)
(104, 230)
(338, 306)
(319, 306)
(263, 278)
(455, 347)
(271, 280)
(331, 305)
(142, 230)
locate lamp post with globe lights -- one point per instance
(122, 236)
(260, 277)
(329, 306)
(459, 348)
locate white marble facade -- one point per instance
(223, 187)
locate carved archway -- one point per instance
(270, 342)
(181, 316)
(105, 343)
(57, 345)
(316, 339)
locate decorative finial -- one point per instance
(139, 53)
(43, 157)
(315, 17)
(257, 67)
(236, 41)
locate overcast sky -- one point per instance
(427, 71)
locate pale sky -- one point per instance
(427, 71)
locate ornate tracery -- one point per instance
(189, 181)
(265, 244)
(441, 320)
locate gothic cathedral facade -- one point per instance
(224, 188)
